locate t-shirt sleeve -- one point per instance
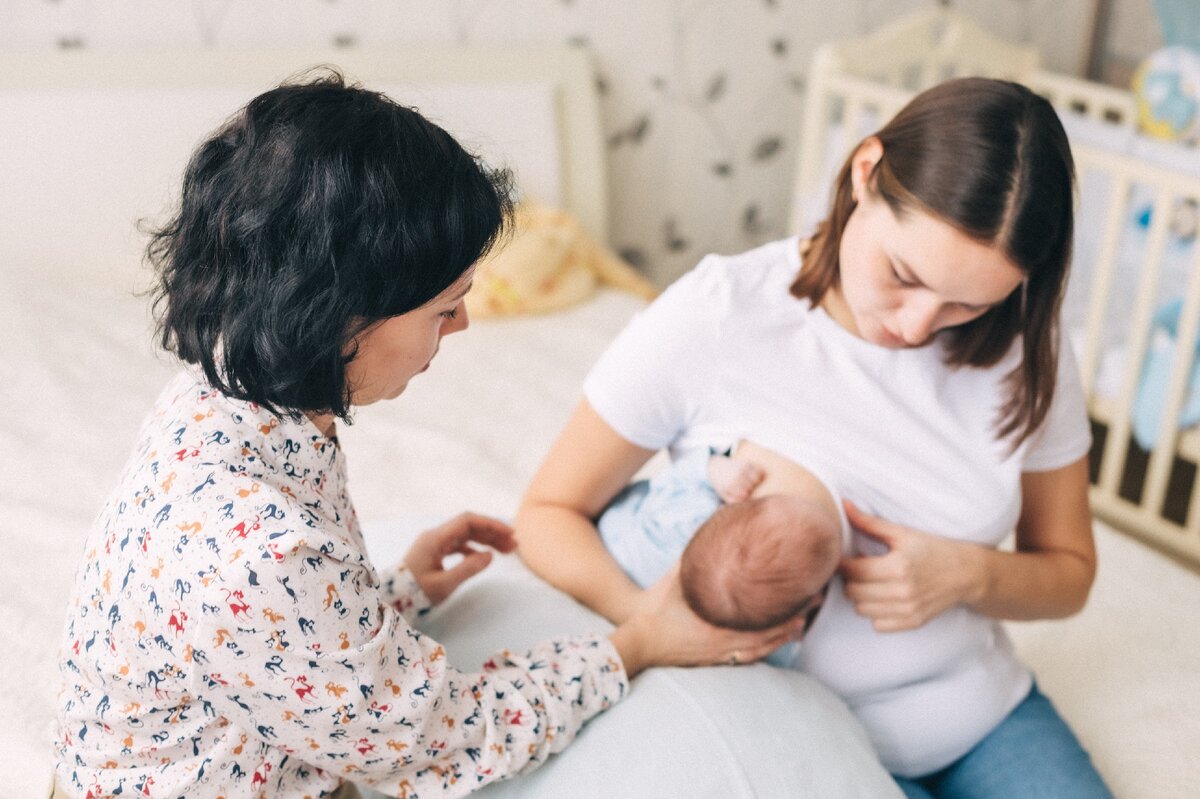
(1065, 435)
(649, 382)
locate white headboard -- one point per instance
(92, 141)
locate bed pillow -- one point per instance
(550, 263)
(722, 731)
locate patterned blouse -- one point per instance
(229, 637)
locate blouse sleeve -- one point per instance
(327, 670)
(651, 378)
(1065, 435)
(401, 590)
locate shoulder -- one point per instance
(730, 281)
(1064, 435)
(246, 469)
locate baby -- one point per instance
(757, 537)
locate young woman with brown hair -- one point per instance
(911, 350)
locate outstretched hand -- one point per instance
(425, 559)
(918, 578)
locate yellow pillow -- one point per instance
(549, 263)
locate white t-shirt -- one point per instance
(727, 348)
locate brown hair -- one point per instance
(755, 564)
(990, 158)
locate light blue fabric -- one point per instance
(1032, 755)
(1156, 377)
(649, 523)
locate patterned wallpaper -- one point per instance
(701, 98)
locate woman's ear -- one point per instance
(862, 163)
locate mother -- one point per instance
(228, 635)
(912, 351)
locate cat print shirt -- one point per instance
(228, 636)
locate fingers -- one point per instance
(873, 569)
(475, 527)
(748, 477)
(893, 622)
(879, 591)
(442, 583)
(471, 565)
(737, 648)
(869, 525)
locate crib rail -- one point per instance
(1142, 511)
(1093, 100)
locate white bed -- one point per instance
(81, 158)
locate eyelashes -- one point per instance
(902, 281)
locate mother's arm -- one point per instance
(1051, 572)
(585, 468)
(1048, 575)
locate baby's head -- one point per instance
(757, 563)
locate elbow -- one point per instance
(529, 525)
(1083, 577)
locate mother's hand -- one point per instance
(665, 632)
(920, 577)
(425, 559)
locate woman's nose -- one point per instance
(919, 320)
(459, 323)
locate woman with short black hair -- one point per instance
(228, 634)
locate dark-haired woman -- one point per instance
(912, 351)
(228, 636)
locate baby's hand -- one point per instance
(734, 480)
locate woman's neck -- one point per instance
(325, 422)
(834, 304)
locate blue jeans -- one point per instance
(1033, 753)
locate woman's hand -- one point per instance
(920, 576)
(425, 557)
(665, 632)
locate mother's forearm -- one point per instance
(562, 546)
(1024, 586)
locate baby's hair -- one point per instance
(755, 564)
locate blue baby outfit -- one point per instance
(648, 524)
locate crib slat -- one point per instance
(1192, 522)
(1117, 446)
(1148, 526)
(1101, 290)
(816, 122)
(852, 118)
(1181, 366)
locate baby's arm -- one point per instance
(783, 476)
(734, 479)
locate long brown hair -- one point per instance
(990, 158)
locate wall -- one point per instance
(1133, 33)
(701, 98)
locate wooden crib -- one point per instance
(855, 85)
